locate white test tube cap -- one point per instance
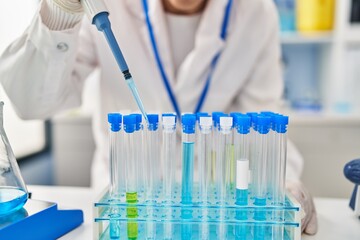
(168, 120)
(205, 121)
(226, 121)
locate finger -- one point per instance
(312, 226)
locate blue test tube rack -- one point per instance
(165, 213)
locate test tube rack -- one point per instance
(174, 220)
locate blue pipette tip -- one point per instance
(115, 120)
(129, 123)
(188, 123)
(153, 121)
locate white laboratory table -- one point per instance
(336, 220)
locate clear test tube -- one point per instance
(152, 174)
(260, 173)
(279, 191)
(117, 166)
(140, 155)
(223, 161)
(204, 142)
(152, 156)
(242, 153)
(130, 147)
(233, 161)
(117, 173)
(204, 156)
(253, 116)
(188, 141)
(271, 159)
(168, 155)
(169, 167)
(216, 133)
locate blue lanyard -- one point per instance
(164, 77)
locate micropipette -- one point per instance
(98, 14)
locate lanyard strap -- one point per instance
(223, 35)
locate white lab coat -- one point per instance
(41, 79)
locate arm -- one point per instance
(44, 70)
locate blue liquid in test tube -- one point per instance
(188, 142)
(241, 144)
(260, 173)
(117, 171)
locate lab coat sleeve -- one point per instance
(264, 88)
(43, 71)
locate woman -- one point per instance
(230, 46)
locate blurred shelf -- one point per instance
(306, 38)
(324, 118)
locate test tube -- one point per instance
(168, 155)
(204, 168)
(223, 167)
(169, 166)
(140, 155)
(281, 123)
(260, 173)
(117, 166)
(253, 116)
(116, 170)
(216, 133)
(130, 146)
(271, 154)
(233, 160)
(152, 175)
(242, 153)
(152, 157)
(188, 141)
(204, 156)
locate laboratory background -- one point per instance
(320, 42)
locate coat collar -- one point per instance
(208, 43)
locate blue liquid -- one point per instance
(187, 187)
(241, 200)
(11, 199)
(187, 173)
(259, 215)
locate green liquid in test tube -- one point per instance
(131, 175)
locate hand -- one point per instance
(309, 223)
(72, 6)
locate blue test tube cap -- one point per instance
(281, 123)
(115, 120)
(263, 124)
(130, 123)
(153, 122)
(188, 123)
(253, 116)
(243, 123)
(272, 118)
(138, 120)
(233, 115)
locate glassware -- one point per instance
(13, 192)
